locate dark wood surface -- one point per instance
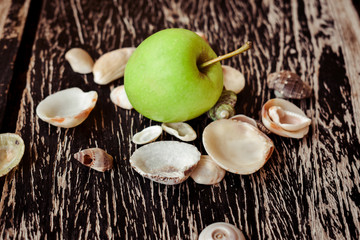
(309, 189)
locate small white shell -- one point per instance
(67, 108)
(181, 130)
(167, 162)
(221, 231)
(285, 118)
(207, 171)
(237, 147)
(233, 79)
(118, 97)
(95, 158)
(79, 60)
(147, 135)
(11, 151)
(111, 65)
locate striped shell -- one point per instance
(287, 84)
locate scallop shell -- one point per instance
(167, 162)
(181, 130)
(147, 135)
(95, 158)
(233, 79)
(288, 85)
(12, 149)
(118, 97)
(221, 231)
(207, 171)
(237, 147)
(285, 118)
(67, 108)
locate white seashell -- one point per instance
(111, 65)
(233, 79)
(118, 97)
(181, 130)
(95, 158)
(221, 231)
(285, 118)
(79, 60)
(244, 118)
(11, 151)
(167, 162)
(147, 135)
(237, 147)
(67, 108)
(207, 171)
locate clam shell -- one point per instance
(233, 79)
(207, 172)
(237, 147)
(244, 118)
(147, 135)
(12, 149)
(118, 97)
(288, 85)
(285, 118)
(221, 231)
(95, 158)
(79, 60)
(167, 162)
(182, 131)
(67, 108)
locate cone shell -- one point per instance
(95, 158)
(237, 147)
(167, 162)
(11, 151)
(67, 108)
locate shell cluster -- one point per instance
(12, 149)
(288, 85)
(67, 108)
(95, 158)
(285, 118)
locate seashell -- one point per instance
(244, 118)
(182, 131)
(207, 171)
(118, 97)
(111, 65)
(221, 231)
(167, 162)
(95, 158)
(67, 108)
(288, 85)
(224, 108)
(285, 118)
(233, 79)
(12, 149)
(237, 147)
(147, 135)
(79, 60)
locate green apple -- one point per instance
(163, 80)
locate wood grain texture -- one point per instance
(12, 20)
(309, 189)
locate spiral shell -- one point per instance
(221, 231)
(95, 158)
(224, 108)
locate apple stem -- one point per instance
(242, 49)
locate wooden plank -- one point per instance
(309, 188)
(12, 20)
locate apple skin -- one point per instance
(162, 79)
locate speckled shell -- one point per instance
(166, 162)
(221, 231)
(288, 85)
(11, 151)
(95, 158)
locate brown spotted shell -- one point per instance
(287, 84)
(95, 158)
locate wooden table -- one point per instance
(309, 189)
